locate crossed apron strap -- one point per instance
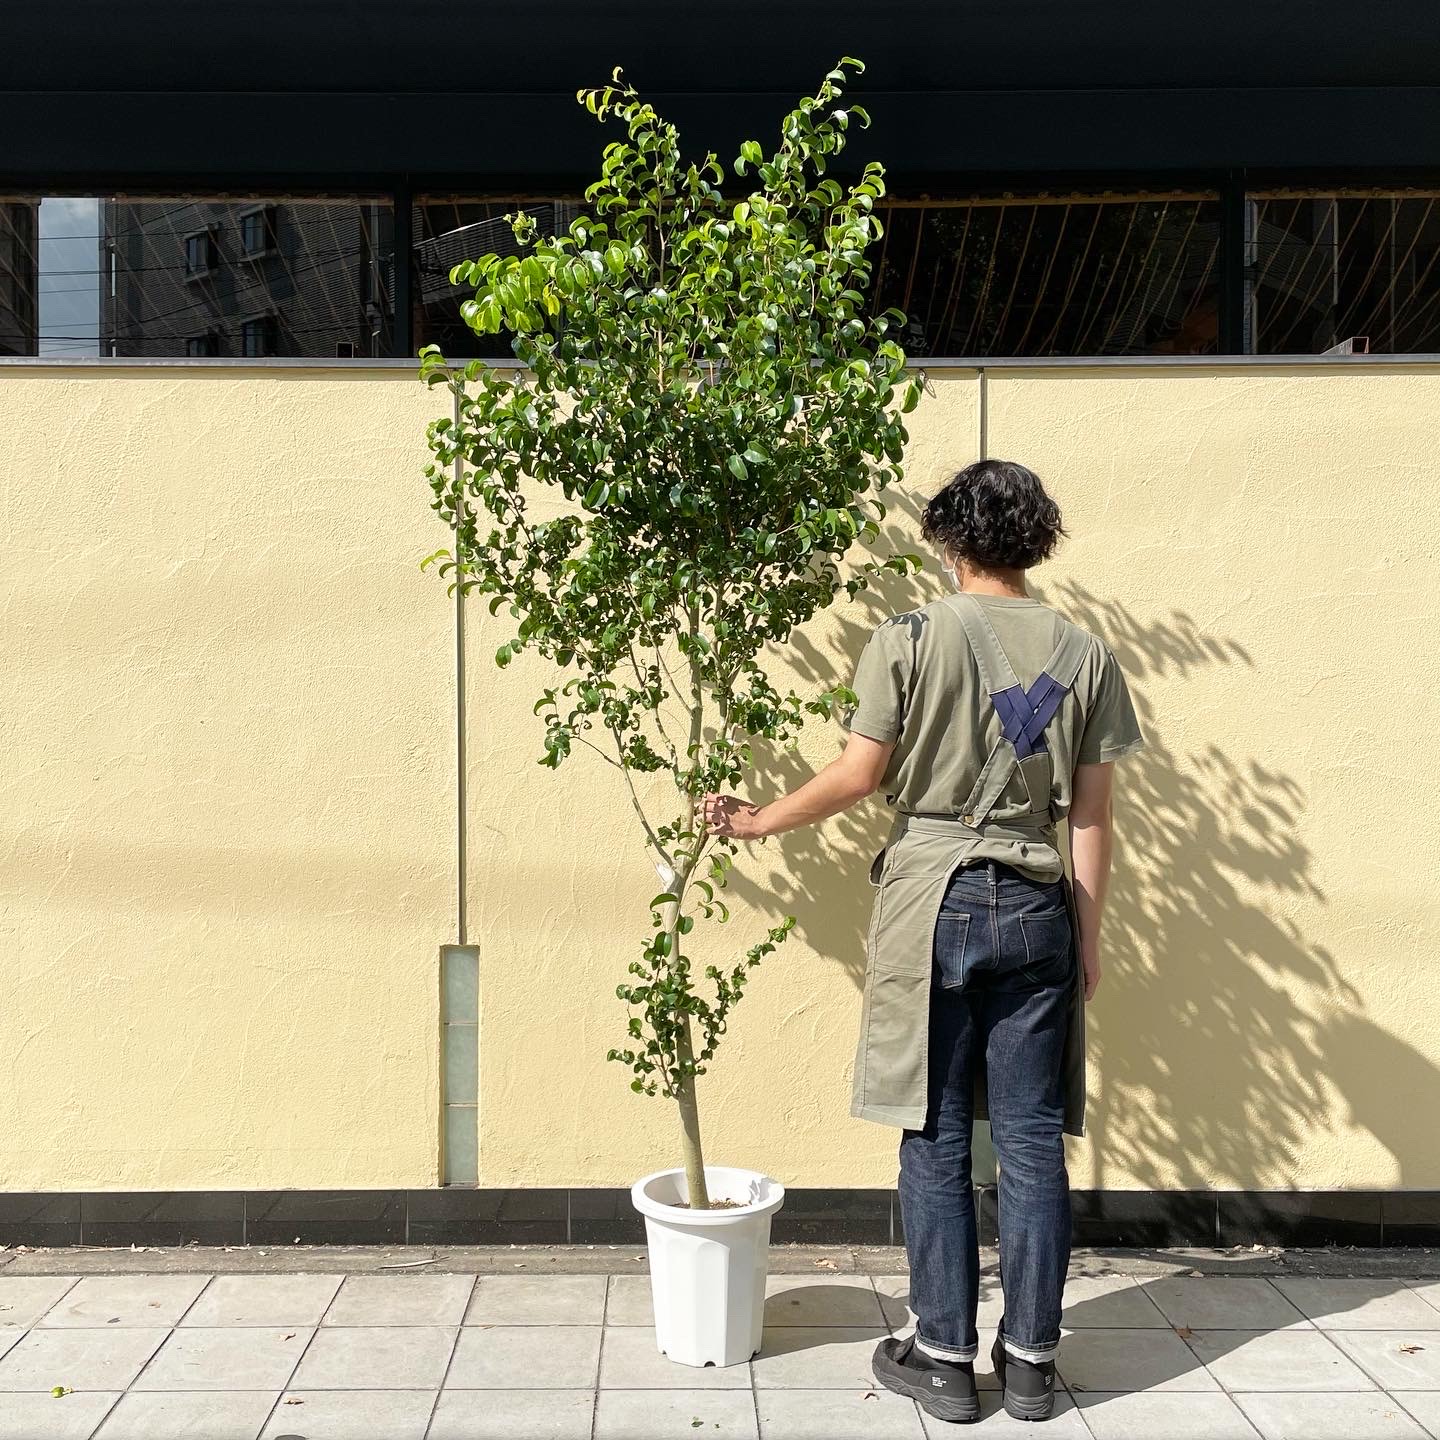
(1023, 714)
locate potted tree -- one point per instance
(704, 387)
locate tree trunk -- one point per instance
(699, 1196)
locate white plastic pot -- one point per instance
(707, 1267)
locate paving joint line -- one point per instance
(450, 1359)
(304, 1349)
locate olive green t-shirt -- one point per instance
(916, 683)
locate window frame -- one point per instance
(268, 317)
(269, 220)
(207, 233)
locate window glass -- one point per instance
(1352, 271)
(1047, 275)
(982, 276)
(452, 228)
(131, 275)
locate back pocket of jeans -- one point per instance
(1049, 957)
(952, 930)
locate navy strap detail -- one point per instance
(1025, 714)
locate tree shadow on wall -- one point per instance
(819, 874)
(1223, 1034)
(1228, 1032)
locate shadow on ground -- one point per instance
(1168, 1333)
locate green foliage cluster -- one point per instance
(703, 386)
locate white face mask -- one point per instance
(954, 575)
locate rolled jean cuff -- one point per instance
(946, 1352)
(1036, 1354)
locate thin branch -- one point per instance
(635, 801)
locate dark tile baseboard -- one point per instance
(466, 1215)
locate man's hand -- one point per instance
(729, 815)
(851, 776)
(1091, 961)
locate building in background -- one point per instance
(249, 278)
(1124, 182)
(19, 276)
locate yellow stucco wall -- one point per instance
(227, 798)
(226, 804)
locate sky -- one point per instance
(69, 275)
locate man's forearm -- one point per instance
(829, 791)
(1090, 847)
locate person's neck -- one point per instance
(991, 583)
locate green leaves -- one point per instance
(672, 481)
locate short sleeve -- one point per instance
(881, 683)
(1111, 728)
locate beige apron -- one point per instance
(912, 872)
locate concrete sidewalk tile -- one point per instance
(194, 1415)
(1265, 1360)
(25, 1298)
(1145, 1415)
(513, 1415)
(1224, 1302)
(96, 1359)
(43, 1417)
(264, 1300)
(226, 1358)
(820, 1357)
(539, 1300)
(1424, 1405)
(629, 1360)
(400, 1300)
(628, 1301)
(351, 1415)
(1398, 1359)
(1427, 1290)
(1064, 1422)
(1335, 1304)
(1114, 1360)
(671, 1415)
(121, 1300)
(894, 1293)
(525, 1357)
(821, 1300)
(375, 1357)
(1375, 1416)
(1108, 1302)
(876, 1413)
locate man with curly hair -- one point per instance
(986, 717)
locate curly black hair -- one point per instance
(994, 514)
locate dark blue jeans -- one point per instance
(1000, 991)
